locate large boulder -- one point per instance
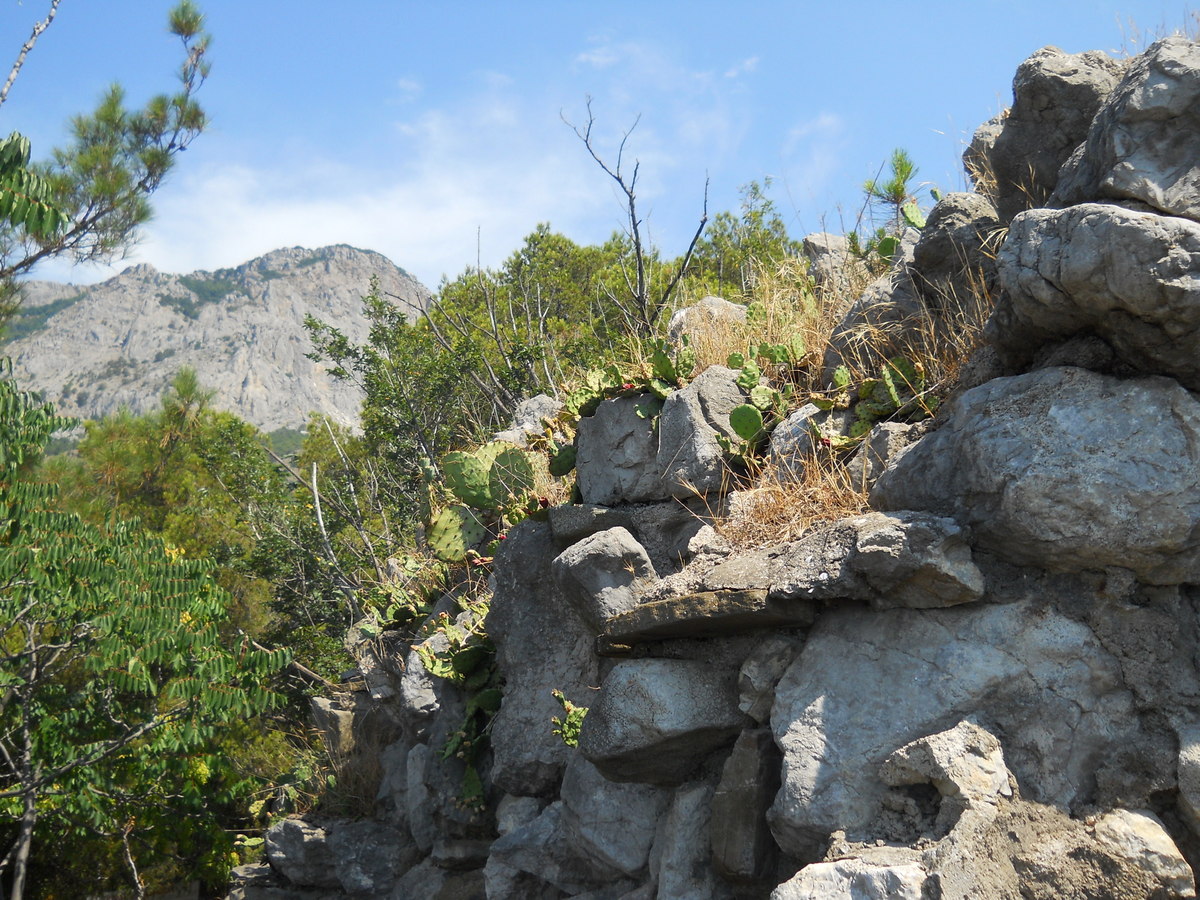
(953, 262)
(1144, 143)
(1128, 277)
(866, 685)
(603, 575)
(681, 862)
(1066, 470)
(689, 456)
(656, 720)
(617, 454)
(1055, 96)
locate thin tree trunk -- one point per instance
(24, 845)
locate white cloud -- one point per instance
(408, 89)
(495, 163)
(744, 67)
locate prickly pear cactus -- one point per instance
(454, 531)
(746, 421)
(467, 477)
(511, 475)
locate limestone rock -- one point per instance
(689, 456)
(711, 313)
(1138, 838)
(953, 265)
(864, 686)
(881, 323)
(878, 449)
(708, 614)
(617, 455)
(1055, 96)
(831, 264)
(761, 671)
(611, 824)
(527, 419)
(603, 575)
(743, 850)
(1144, 143)
(538, 649)
(683, 850)
(1066, 470)
(902, 559)
(300, 851)
(429, 882)
(599, 834)
(655, 720)
(370, 856)
(1130, 278)
(854, 879)
(121, 342)
(793, 441)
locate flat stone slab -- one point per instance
(707, 614)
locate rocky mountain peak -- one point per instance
(93, 349)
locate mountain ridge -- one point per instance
(93, 349)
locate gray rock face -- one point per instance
(878, 449)
(538, 649)
(1144, 143)
(1131, 278)
(656, 719)
(610, 824)
(598, 834)
(882, 322)
(1055, 96)
(123, 340)
(300, 852)
(901, 559)
(370, 856)
(953, 265)
(743, 850)
(527, 419)
(864, 686)
(689, 456)
(1066, 470)
(710, 314)
(830, 262)
(682, 862)
(796, 438)
(617, 455)
(603, 575)
(855, 879)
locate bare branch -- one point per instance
(28, 45)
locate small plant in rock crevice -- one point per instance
(567, 726)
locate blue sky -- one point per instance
(431, 131)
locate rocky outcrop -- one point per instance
(986, 687)
(121, 342)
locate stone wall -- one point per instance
(984, 687)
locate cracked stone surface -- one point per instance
(864, 686)
(1128, 277)
(1065, 470)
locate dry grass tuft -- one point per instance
(783, 505)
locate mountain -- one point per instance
(93, 349)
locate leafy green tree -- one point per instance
(732, 246)
(116, 669)
(87, 202)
